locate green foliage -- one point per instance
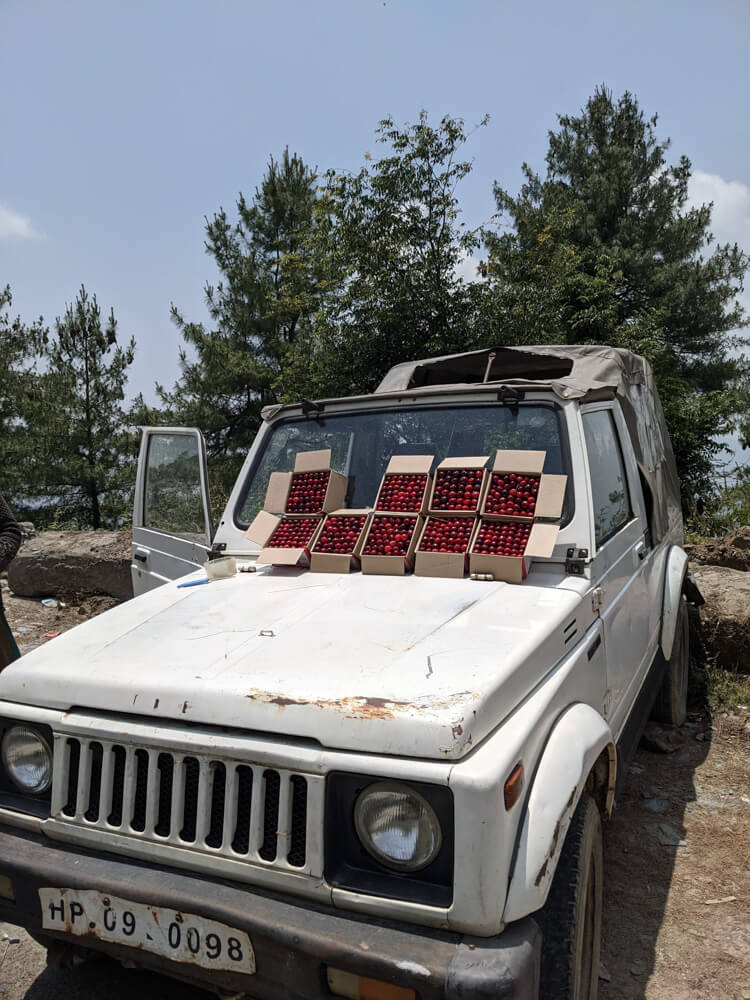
(605, 249)
(390, 241)
(722, 689)
(20, 348)
(261, 306)
(76, 467)
(725, 509)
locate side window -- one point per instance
(609, 488)
(172, 501)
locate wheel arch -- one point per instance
(579, 756)
(674, 579)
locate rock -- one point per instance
(28, 531)
(731, 551)
(660, 739)
(656, 805)
(725, 617)
(73, 563)
(668, 836)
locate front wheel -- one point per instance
(670, 706)
(571, 919)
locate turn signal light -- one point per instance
(346, 984)
(513, 786)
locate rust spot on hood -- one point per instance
(359, 706)
(353, 708)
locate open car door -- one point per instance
(172, 526)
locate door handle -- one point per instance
(141, 556)
(641, 551)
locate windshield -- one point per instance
(362, 443)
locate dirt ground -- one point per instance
(677, 870)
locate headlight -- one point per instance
(397, 826)
(27, 759)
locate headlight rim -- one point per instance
(392, 864)
(40, 791)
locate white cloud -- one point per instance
(15, 226)
(730, 218)
(467, 269)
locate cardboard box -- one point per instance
(280, 484)
(473, 464)
(542, 537)
(514, 569)
(407, 465)
(450, 564)
(551, 494)
(261, 532)
(391, 565)
(340, 562)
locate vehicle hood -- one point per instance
(390, 665)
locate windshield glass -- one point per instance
(362, 442)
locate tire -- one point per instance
(571, 919)
(670, 706)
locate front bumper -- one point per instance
(294, 940)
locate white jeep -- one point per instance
(297, 784)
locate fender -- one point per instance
(674, 577)
(578, 738)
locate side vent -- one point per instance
(569, 632)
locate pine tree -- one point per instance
(78, 462)
(259, 309)
(606, 249)
(391, 242)
(21, 346)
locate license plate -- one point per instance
(181, 937)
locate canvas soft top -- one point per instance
(585, 372)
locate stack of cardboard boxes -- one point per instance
(443, 547)
(292, 516)
(395, 525)
(490, 522)
(509, 533)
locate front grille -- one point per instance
(193, 801)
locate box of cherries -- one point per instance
(512, 531)
(284, 540)
(405, 487)
(312, 488)
(389, 543)
(458, 486)
(443, 546)
(339, 542)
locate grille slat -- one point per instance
(152, 799)
(284, 821)
(256, 811)
(230, 808)
(178, 800)
(244, 812)
(84, 779)
(129, 788)
(205, 789)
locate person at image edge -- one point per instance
(10, 541)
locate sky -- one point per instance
(124, 125)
